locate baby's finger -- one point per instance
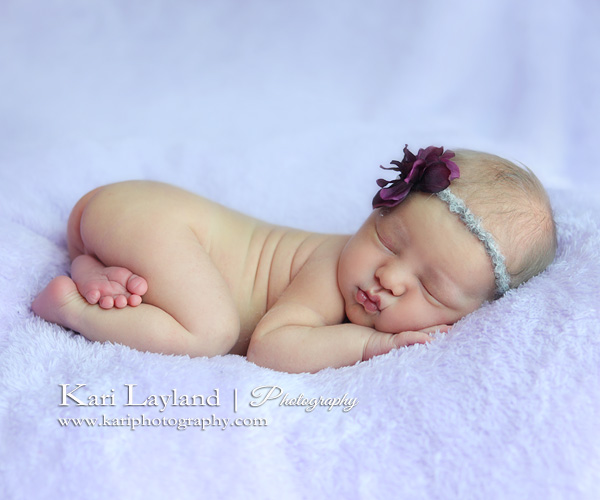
(409, 338)
(436, 328)
(382, 343)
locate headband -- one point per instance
(431, 171)
(473, 223)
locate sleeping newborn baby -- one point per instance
(160, 269)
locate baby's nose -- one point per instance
(391, 280)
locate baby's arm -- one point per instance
(303, 331)
(299, 348)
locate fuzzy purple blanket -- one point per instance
(506, 402)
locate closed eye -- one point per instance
(383, 240)
(429, 295)
(384, 243)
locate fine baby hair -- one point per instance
(503, 205)
(514, 207)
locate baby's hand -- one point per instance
(382, 343)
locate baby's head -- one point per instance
(423, 259)
(513, 207)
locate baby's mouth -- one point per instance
(369, 302)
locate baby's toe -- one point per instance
(134, 300)
(93, 297)
(120, 301)
(106, 302)
(137, 285)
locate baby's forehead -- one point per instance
(418, 218)
(416, 207)
(440, 242)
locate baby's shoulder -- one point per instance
(324, 252)
(330, 246)
(315, 283)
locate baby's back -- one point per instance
(258, 260)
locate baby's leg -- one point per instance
(143, 228)
(146, 327)
(98, 284)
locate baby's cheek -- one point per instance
(397, 321)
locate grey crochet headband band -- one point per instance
(473, 223)
(432, 170)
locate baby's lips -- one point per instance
(370, 303)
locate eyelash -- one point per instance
(426, 289)
(383, 243)
(380, 238)
(437, 302)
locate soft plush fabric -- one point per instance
(285, 112)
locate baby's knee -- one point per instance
(217, 338)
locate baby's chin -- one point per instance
(356, 314)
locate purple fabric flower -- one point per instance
(430, 171)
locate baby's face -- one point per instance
(412, 267)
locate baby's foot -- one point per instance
(107, 286)
(59, 302)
